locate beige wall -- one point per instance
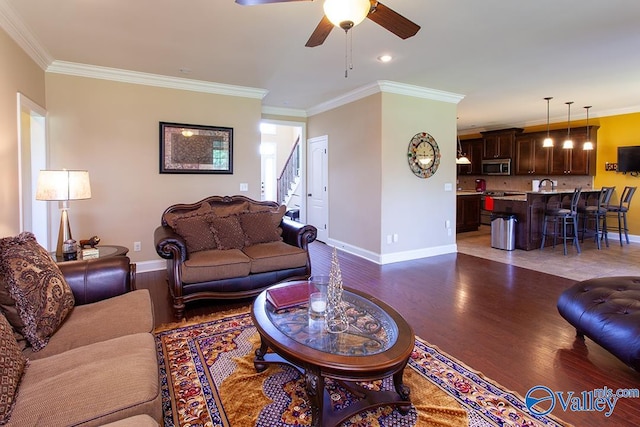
(111, 129)
(372, 191)
(355, 179)
(416, 209)
(18, 74)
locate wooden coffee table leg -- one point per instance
(403, 390)
(260, 352)
(315, 390)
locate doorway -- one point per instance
(282, 164)
(32, 157)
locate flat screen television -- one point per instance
(629, 159)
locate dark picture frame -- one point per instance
(195, 149)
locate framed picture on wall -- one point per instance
(195, 148)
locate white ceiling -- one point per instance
(504, 56)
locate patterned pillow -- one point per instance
(227, 232)
(277, 213)
(172, 217)
(258, 227)
(41, 294)
(196, 232)
(11, 369)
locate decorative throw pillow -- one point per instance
(228, 232)
(276, 213)
(172, 217)
(258, 227)
(196, 232)
(36, 284)
(228, 209)
(11, 369)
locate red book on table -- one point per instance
(288, 296)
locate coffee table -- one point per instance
(377, 345)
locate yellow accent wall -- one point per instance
(615, 131)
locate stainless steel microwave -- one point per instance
(496, 167)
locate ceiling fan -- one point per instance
(376, 11)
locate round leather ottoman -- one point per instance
(607, 310)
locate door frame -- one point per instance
(303, 160)
(33, 155)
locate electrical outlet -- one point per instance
(389, 241)
(395, 237)
(137, 247)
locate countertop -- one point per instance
(468, 193)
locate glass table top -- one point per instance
(371, 329)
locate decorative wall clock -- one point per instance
(423, 155)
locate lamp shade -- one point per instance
(63, 185)
(346, 11)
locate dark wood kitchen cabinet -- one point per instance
(498, 144)
(530, 157)
(575, 161)
(467, 213)
(473, 149)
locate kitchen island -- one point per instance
(529, 210)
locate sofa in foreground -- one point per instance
(230, 247)
(77, 347)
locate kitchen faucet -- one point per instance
(543, 180)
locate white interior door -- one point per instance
(268, 171)
(317, 186)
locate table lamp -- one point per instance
(63, 185)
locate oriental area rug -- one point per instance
(208, 379)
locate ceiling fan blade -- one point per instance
(392, 21)
(255, 2)
(321, 33)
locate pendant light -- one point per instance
(568, 143)
(548, 142)
(588, 145)
(461, 159)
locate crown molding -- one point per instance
(147, 79)
(11, 22)
(279, 111)
(388, 87)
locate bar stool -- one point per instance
(568, 217)
(621, 212)
(599, 214)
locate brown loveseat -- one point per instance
(98, 366)
(230, 247)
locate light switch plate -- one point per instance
(244, 186)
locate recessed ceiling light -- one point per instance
(385, 58)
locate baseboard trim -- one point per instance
(383, 259)
(147, 266)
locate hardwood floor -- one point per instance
(497, 318)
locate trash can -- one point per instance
(503, 231)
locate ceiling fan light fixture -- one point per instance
(346, 13)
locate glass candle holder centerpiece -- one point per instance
(318, 297)
(337, 321)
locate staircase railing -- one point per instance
(290, 172)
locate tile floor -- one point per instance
(615, 260)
